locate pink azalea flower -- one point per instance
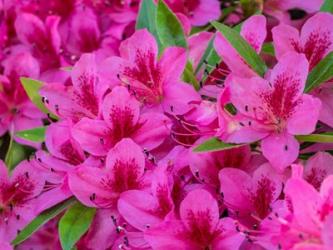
(274, 110)
(122, 118)
(251, 198)
(63, 147)
(206, 166)
(199, 227)
(315, 40)
(41, 38)
(312, 212)
(101, 187)
(317, 168)
(143, 209)
(154, 82)
(17, 198)
(199, 12)
(16, 110)
(81, 99)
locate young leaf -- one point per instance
(74, 224)
(327, 6)
(243, 48)
(41, 220)
(169, 29)
(322, 72)
(35, 135)
(32, 87)
(214, 144)
(322, 138)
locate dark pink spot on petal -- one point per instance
(262, 197)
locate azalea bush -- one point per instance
(167, 124)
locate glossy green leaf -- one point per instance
(322, 138)
(44, 217)
(242, 47)
(74, 224)
(327, 6)
(147, 17)
(322, 72)
(169, 29)
(214, 144)
(35, 135)
(207, 55)
(32, 87)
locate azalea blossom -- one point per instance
(273, 109)
(155, 83)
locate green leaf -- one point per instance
(74, 224)
(327, 6)
(10, 153)
(322, 138)
(169, 29)
(189, 76)
(32, 88)
(268, 49)
(242, 47)
(35, 135)
(208, 55)
(41, 220)
(322, 72)
(214, 144)
(147, 17)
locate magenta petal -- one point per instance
(139, 209)
(173, 62)
(154, 129)
(304, 119)
(254, 31)
(202, 213)
(93, 136)
(280, 150)
(285, 39)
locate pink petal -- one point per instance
(229, 239)
(4, 178)
(128, 153)
(285, 73)
(304, 119)
(169, 235)
(280, 150)
(208, 10)
(93, 136)
(154, 129)
(137, 208)
(304, 200)
(234, 184)
(120, 110)
(178, 96)
(172, 63)
(254, 31)
(327, 232)
(200, 210)
(87, 186)
(285, 39)
(140, 42)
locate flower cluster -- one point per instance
(170, 124)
